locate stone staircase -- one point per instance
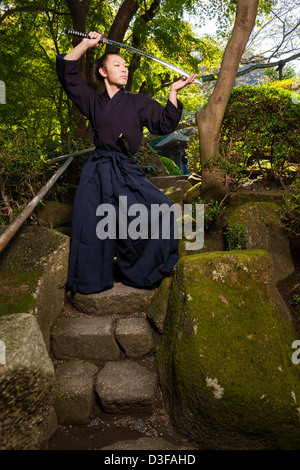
(103, 348)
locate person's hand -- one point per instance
(183, 82)
(94, 39)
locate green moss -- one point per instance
(171, 166)
(248, 200)
(22, 302)
(264, 211)
(17, 291)
(222, 328)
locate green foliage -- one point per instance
(224, 11)
(193, 154)
(147, 159)
(290, 210)
(288, 72)
(212, 210)
(171, 166)
(37, 111)
(24, 170)
(296, 300)
(235, 237)
(259, 134)
(261, 123)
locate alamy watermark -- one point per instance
(155, 221)
(2, 92)
(296, 94)
(2, 352)
(296, 354)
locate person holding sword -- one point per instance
(117, 118)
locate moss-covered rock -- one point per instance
(26, 381)
(185, 185)
(225, 356)
(264, 232)
(174, 194)
(33, 273)
(54, 214)
(157, 310)
(171, 166)
(165, 182)
(192, 194)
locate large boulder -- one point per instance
(26, 381)
(33, 273)
(225, 358)
(54, 214)
(264, 232)
(157, 310)
(165, 182)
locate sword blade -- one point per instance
(105, 40)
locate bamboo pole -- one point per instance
(75, 154)
(16, 224)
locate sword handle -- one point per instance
(73, 32)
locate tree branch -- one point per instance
(29, 8)
(212, 76)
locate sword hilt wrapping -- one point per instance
(73, 32)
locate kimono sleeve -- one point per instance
(160, 120)
(74, 85)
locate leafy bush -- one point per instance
(235, 236)
(261, 124)
(192, 153)
(171, 166)
(259, 134)
(212, 210)
(290, 210)
(149, 161)
(24, 171)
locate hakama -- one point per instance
(110, 174)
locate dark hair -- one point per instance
(101, 62)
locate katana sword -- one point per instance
(105, 40)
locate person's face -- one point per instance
(115, 70)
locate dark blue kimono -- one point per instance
(108, 174)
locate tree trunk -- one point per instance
(209, 119)
(121, 22)
(136, 37)
(79, 12)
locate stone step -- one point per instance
(84, 338)
(94, 338)
(134, 336)
(119, 300)
(74, 394)
(126, 387)
(123, 387)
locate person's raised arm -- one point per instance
(176, 86)
(84, 45)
